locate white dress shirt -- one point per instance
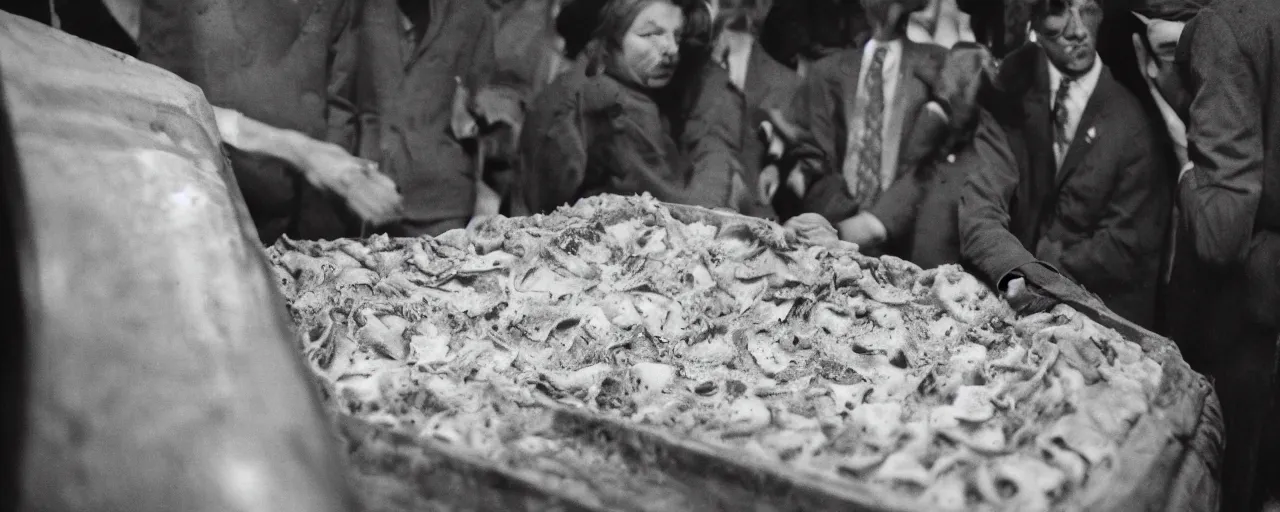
(891, 73)
(1081, 89)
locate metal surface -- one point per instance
(163, 375)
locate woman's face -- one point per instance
(651, 47)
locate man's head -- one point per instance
(1068, 32)
(1160, 46)
(1165, 21)
(889, 18)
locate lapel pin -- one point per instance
(1090, 135)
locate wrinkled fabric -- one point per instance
(285, 63)
(405, 110)
(588, 135)
(1100, 219)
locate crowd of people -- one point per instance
(1129, 146)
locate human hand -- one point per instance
(1173, 123)
(462, 124)
(1025, 299)
(812, 228)
(497, 106)
(769, 183)
(371, 195)
(863, 229)
(796, 182)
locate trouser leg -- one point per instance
(1244, 378)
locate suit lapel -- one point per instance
(912, 92)
(441, 10)
(1095, 112)
(758, 76)
(848, 102)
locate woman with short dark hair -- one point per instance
(642, 112)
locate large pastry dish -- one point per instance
(625, 354)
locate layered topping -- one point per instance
(921, 383)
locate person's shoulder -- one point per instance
(1018, 69)
(601, 93)
(927, 50)
(1119, 103)
(838, 62)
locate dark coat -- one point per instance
(1107, 207)
(819, 111)
(920, 210)
(406, 110)
(1226, 277)
(588, 135)
(283, 62)
(769, 85)
(1230, 202)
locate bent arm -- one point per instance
(985, 240)
(1220, 196)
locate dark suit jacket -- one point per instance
(920, 211)
(1107, 208)
(769, 85)
(405, 110)
(820, 111)
(1229, 254)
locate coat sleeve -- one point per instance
(1133, 228)
(815, 111)
(710, 140)
(1220, 195)
(553, 162)
(986, 244)
(342, 117)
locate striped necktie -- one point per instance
(1061, 119)
(867, 188)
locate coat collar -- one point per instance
(441, 11)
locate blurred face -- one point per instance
(1070, 37)
(651, 47)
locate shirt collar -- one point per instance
(1085, 83)
(894, 47)
(406, 24)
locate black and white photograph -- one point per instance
(640, 255)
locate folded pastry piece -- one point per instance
(716, 327)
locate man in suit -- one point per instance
(1226, 276)
(417, 60)
(851, 115)
(1090, 198)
